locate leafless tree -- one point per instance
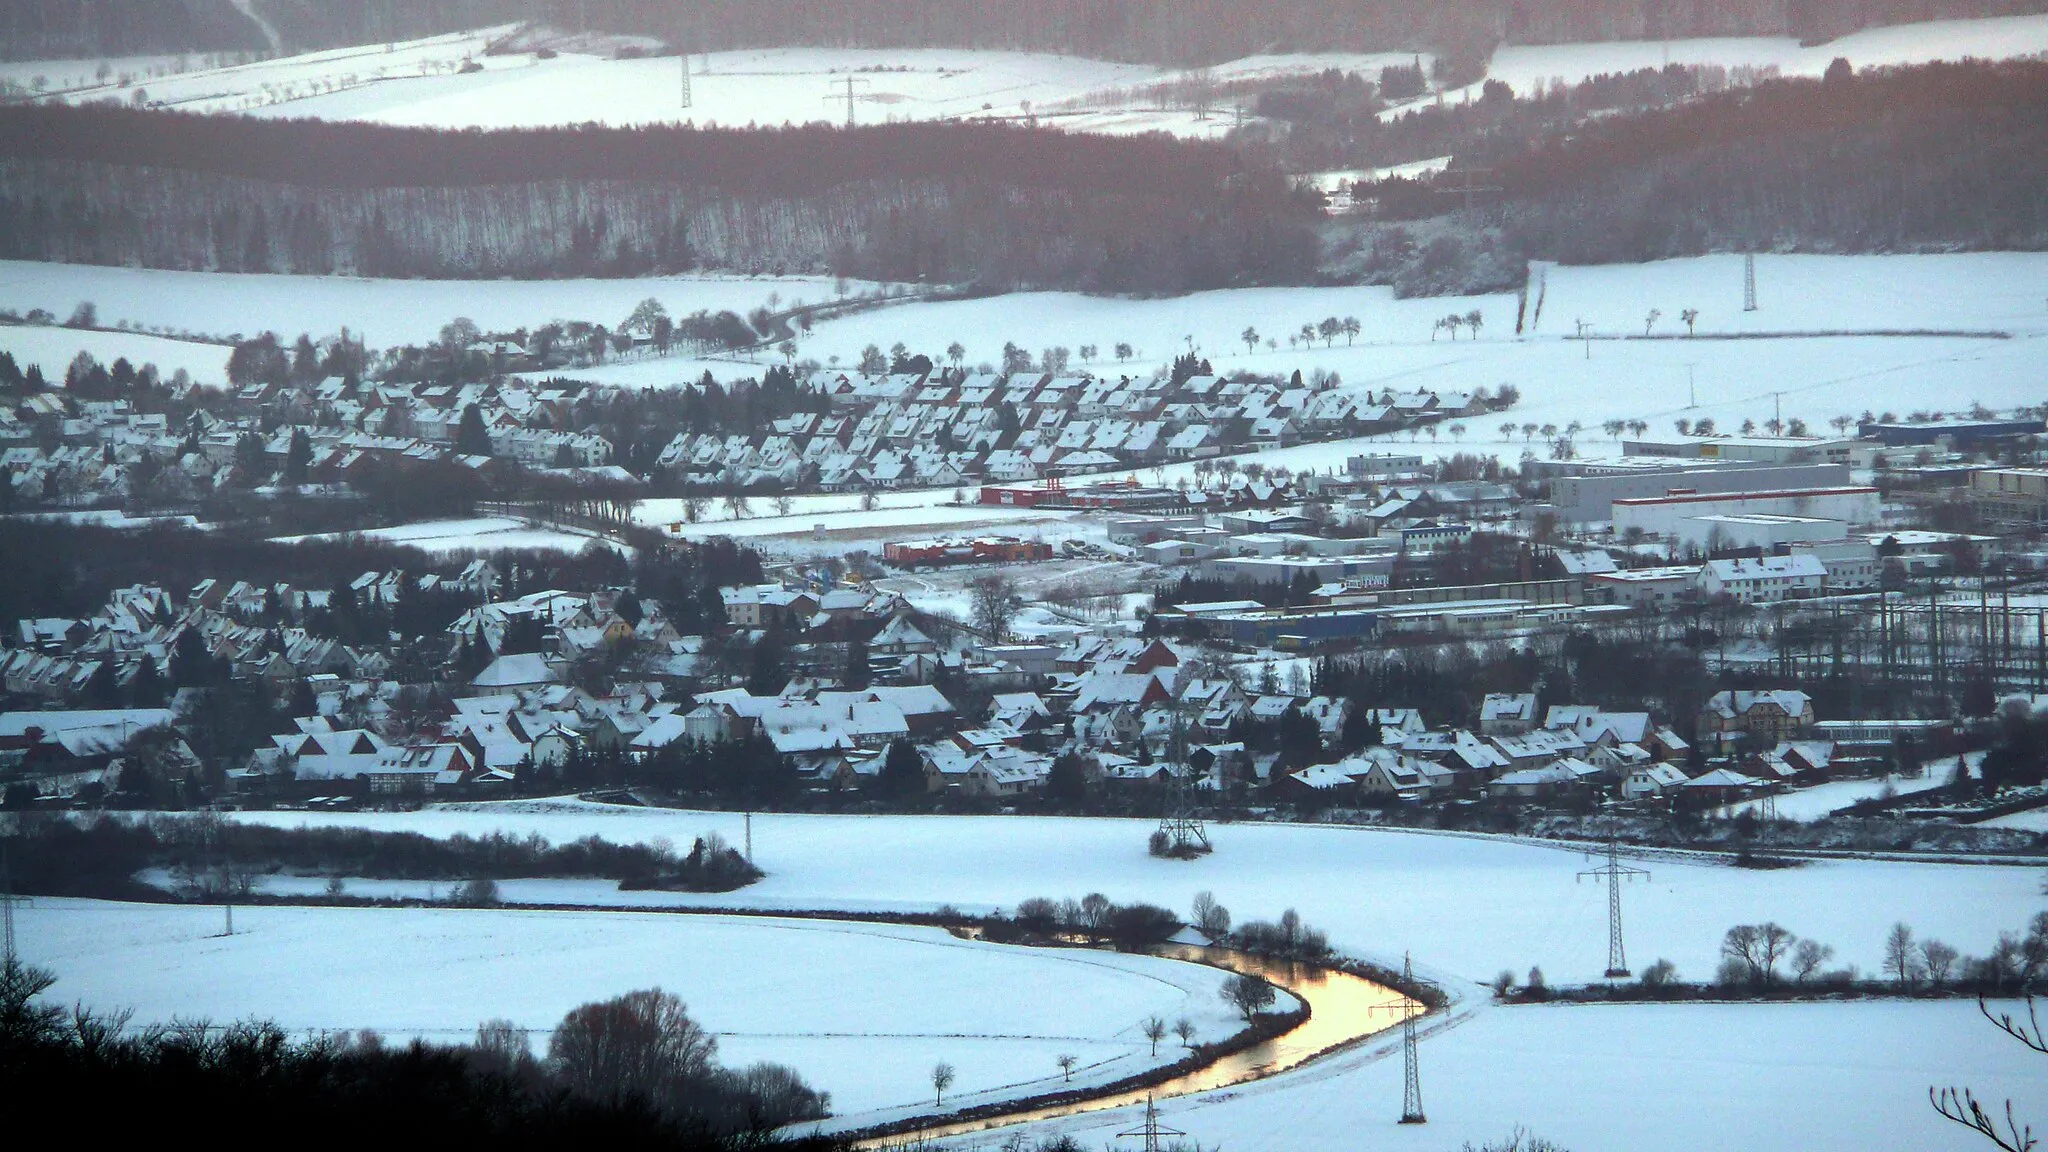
(1066, 1062)
(942, 1079)
(1901, 958)
(1154, 1029)
(1248, 994)
(1808, 957)
(1185, 1029)
(1938, 960)
(640, 1044)
(1755, 950)
(993, 598)
(1211, 917)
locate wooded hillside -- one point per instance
(991, 205)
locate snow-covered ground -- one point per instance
(2032, 820)
(1815, 375)
(864, 1011)
(482, 534)
(1703, 1078)
(1466, 906)
(420, 83)
(1809, 804)
(1525, 68)
(382, 312)
(53, 349)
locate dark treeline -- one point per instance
(634, 1072)
(1162, 31)
(1947, 156)
(1001, 206)
(101, 857)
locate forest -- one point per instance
(1153, 31)
(1943, 157)
(992, 206)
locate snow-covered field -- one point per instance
(482, 534)
(1828, 306)
(1710, 1077)
(53, 349)
(1524, 67)
(1465, 906)
(418, 83)
(1702, 1078)
(1809, 804)
(863, 1010)
(382, 312)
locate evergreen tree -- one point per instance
(902, 775)
(146, 690)
(103, 688)
(470, 437)
(855, 677)
(1067, 782)
(298, 458)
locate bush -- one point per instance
(481, 892)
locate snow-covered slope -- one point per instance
(864, 1011)
(383, 312)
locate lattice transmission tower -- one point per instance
(1151, 1130)
(1411, 1063)
(1615, 873)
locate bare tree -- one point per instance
(1650, 321)
(1807, 959)
(1154, 1029)
(1901, 958)
(783, 503)
(1211, 917)
(1938, 960)
(942, 1079)
(1691, 316)
(1185, 1029)
(640, 1044)
(1248, 994)
(993, 598)
(1754, 951)
(1066, 1061)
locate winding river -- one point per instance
(1343, 1010)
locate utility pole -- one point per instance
(750, 835)
(1585, 336)
(1151, 1130)
(1615, 873)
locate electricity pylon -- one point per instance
(1615, 873)
(1151, 1130)
(1411, 1066)
(849, 97)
